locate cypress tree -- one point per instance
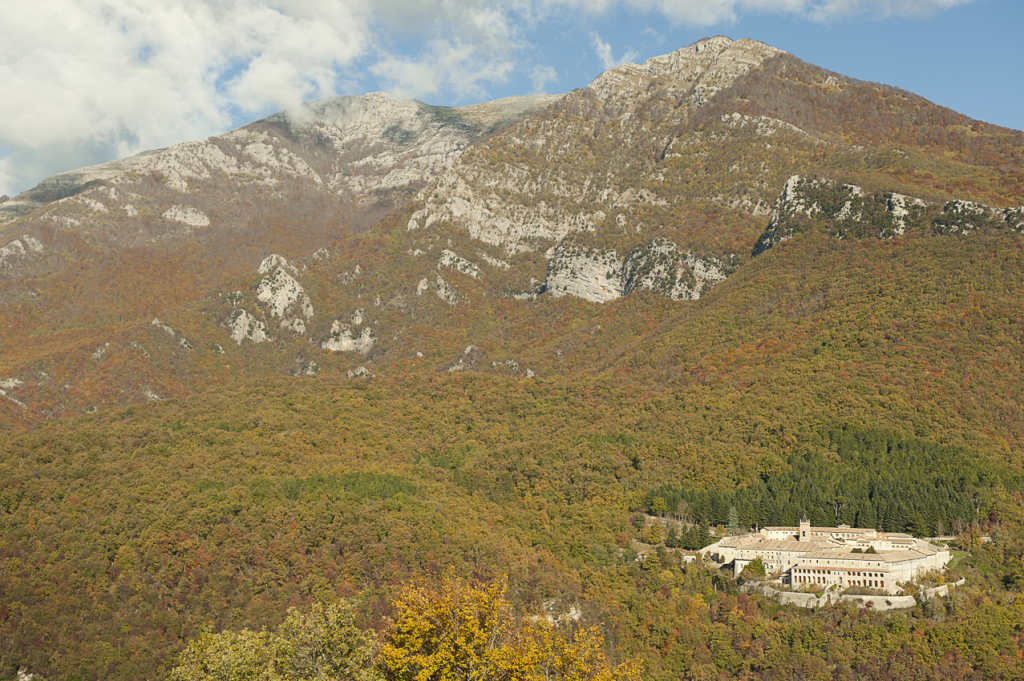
(691, 538)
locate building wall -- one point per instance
(874, 575)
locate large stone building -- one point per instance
(843, 556)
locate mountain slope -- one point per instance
(292, 182)
(665, 177)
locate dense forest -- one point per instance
(872, 384)
(874, 480)
(126, 534)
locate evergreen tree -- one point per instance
(932, 517)
(703, 535)
(917, 525)
(692, 538)
(734, 521)
(672, 541)
(866, 517)
(764, 512)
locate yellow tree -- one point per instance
(470, 632)
(558, 655)
(455, 630)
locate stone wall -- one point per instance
(943, 591)
(882, 602)
(809, 600)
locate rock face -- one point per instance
(591, 275)
(284, 295)
(347, 338)
(187, 215)
(15, 252)
(453, 261)
(243, 325)
(844, 210)
(383, 142)
(706, 67)
(661, 267)
(963, 217)
(445, 291)
(281, 293)
(548, 185)
(847, 211)
(10, 384)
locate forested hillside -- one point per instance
(522, 343)
(125, 534)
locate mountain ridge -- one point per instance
(604, 192)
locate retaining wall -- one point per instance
(809, 600)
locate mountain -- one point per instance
(351, 344)
(668, 176)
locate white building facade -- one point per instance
(806, 556)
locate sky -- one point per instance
(88, 81)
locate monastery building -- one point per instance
(844, 556)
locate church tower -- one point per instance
(805, 529)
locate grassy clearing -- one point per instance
(957, 557)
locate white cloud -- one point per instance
(830, 10)
(473, 44)
(447, 65)
(658, 38)
(710, 12)
(84, 81)
(604, 53)
(541, 76)
(93, 80)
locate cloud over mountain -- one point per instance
(87, 82)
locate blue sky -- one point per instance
(969, 57)
(85, 82)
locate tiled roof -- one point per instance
(844, 555)
(885, 557)
(825, 548)
(900, 556)
(794, 530)
(844, 530)
(776, 545)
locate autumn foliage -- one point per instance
(454, 630)
(462, 630)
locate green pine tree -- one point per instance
(734, 521)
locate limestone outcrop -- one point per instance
(847, 211)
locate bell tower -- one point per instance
(805, 529)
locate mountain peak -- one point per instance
(706, 66)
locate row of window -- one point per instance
(852, 582)
(813, 571)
